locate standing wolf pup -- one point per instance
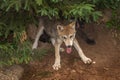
(60, 32)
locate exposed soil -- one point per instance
(106, 54)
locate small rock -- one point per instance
(105, 68)
(73, 71)
(93, 62)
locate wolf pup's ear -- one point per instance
(59, 27)
(72, 25)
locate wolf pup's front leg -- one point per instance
(57, 65)
(85, 59)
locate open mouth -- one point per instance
(68, 50)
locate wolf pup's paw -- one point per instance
(87, 60)
(56, 66)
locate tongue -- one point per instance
(68, 50)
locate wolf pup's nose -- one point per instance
(69, 46)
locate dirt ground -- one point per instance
(106, 54)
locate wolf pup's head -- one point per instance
(67, 35)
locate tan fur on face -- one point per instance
(67, 33)
(67, 30)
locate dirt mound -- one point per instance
(105, 53)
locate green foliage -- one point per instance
(102, 4)
(39, 2)
(85, 11)
(11, 53)
(48, 12)
(115, 20)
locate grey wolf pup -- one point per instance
(60, 32)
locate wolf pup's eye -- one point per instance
(71, 36)
(64, 37)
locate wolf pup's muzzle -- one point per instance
(69, 49)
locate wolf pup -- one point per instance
(60, 32)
